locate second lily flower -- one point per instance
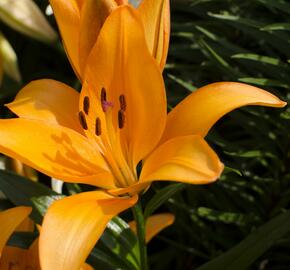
(80, 23)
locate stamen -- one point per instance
(123, 104)
(121, 119)
(98, 127)
(82, 119)
(103, 95)
(86, 104)
(105, 104)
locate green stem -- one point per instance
(140, 226)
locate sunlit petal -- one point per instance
(197, 113)
(156, 19)
(54, 150)
(9, 220)
(73, 225)
(155, 224)
(121, 63)
(67, 15)
(49, 101)
(187, 159)
(93, 16)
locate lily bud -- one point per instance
(25, 16)
(8, 59)
(80, 23)
(155, 15)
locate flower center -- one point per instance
(107, 128)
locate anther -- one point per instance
(121, 119)
(82, 119)
(86, 104)
(98, 127)
(123, 104)
(103, 95)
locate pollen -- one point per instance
(86, 104)
(121, 119)
(123, 104)
(83, 122)
(98, 127)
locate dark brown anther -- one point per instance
(98, 127)
(103, 95)
(86, 104)
(82, 119)
(123, 104)
(121, 119)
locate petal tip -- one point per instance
(217, 173)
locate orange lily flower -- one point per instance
(154, 224)
(14, 258)
(80, 23)
(10, 219)
(99, 136)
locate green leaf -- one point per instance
(22, 239)
(229, 169)
(120, 239)
(161, 197)
(42, 203)
(264, 82)
(20, 190)
(252, 247)
(225, 217)
(107, 260)
(258, 58)
(188, 86)
(276, 26)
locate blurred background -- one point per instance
(211, 40)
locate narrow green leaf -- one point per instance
(120, 239)
(188, 86)
(258, 58)
(20, 190)
(276, 26)
(252, 247)
(22, 239)
(264, 82)
(225, 217)
(42, 203)
(161, 197)
(107, 260)
(229, 169)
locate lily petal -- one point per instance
(122, 2)
(67, 15)
(187, 159)
(116, 65)
(154, 224)
(49, 101)
(197, 113)
(155, 15)
(56, 151)
(73, 225)
(9, 220)
(87, 267)
(20, 258)
(93, 15)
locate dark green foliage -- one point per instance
(212, 40)
(245, 41)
